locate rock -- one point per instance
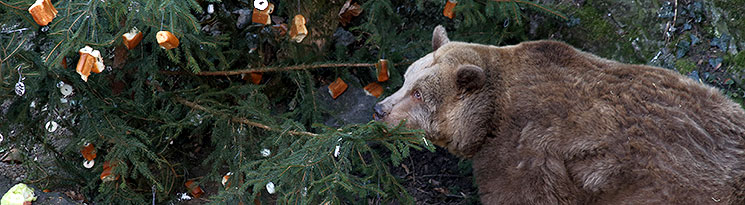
(352, 106)
(343, 37)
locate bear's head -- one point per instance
(446, 93)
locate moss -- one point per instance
(684, 66)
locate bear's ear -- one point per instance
(470, 77)
(439, 37)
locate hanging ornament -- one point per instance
(449, 6)
(132, 38)
(90, 60)
(51, 126)
(166, 40)
(263, 16)
(337, 148)
(89, 164)
(298, 31)
(64, 89)
(266, 152)
(254, 77)
(194, 189)
(88, 152)
(382, 67)
(348, 11)
(261, 4)
(337, 88)
(43, 12)
(20, 87)
(270, 188)
(225, 178)
(211, 8)
(106, 175)
(374, 89)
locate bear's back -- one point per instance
(624, 133)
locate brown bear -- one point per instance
(545, 123)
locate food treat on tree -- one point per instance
(88, 151)
(90, 60)
(132, 38)
(337, 88)
(106, 175)
(382, 67)
(374, 89)
(225, 179)
(166, 40)
(255, 77)
(263, 16)
(298, 31)
(348, 11)
(449, 6)
(194, 189)
(43, 12)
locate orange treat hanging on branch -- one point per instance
(449, 6)
(263, 16)
(337, 88)
(298, 31)
(106, 174)
(43, 12)
(132, 38)
(374, 89)
(166, 40)
(382, 67)
(90, 60)
(194, 189)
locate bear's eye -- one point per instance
(417, 95)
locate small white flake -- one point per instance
(266, 152)
(425, 141)
(89, 164)
(270, 188)
(261, 4)
(336, 151)
(210, 8)
(51, 126)
(66, 90)
(183, 196)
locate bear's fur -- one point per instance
(545, 123)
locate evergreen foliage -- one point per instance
(152, 109)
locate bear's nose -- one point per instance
(379, 113)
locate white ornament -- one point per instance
(210, 8)
(270, 188)
(261, 4)
(20, 88)
(65, 89)
(89, 164)
(266, 152)
(1, 138)
(305, 191)
(336, 151)
(51, 126)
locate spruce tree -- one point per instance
(152, 114)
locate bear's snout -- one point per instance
(380, 113)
